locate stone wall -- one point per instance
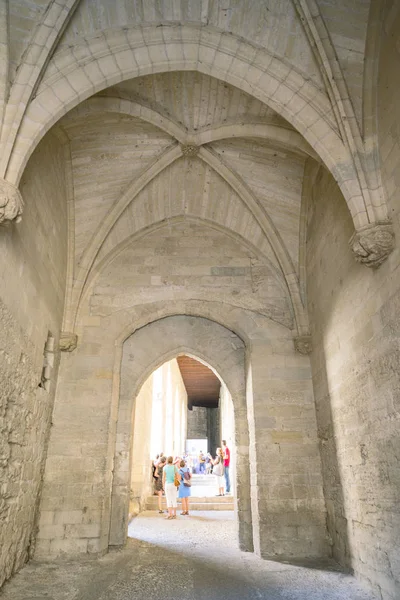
(184, 269)
(141, 472)
(226, 430)
(227, 417)
(355, 335)
(213, 427)
(169, 421)
(33, 265)
(203, 424)
(191, 259)
(197, 423)
(90, 440)
(288, 505)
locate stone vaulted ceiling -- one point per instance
(185, 145)
(197, 117)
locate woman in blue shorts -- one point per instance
(184, 490)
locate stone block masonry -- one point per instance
(32, 292)
(283, 461)
(355, 328)
(197, 423)
(25, 416)
(167, 161)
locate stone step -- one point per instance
(202, 503)
(222, 499)
(202, 484)
(207, 481)
(197, 506)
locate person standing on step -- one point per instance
(184, 491)
(202, 463)
(208, 463)
(158, 482)
(218, 471)
(154, 469)
(170, 476)
(227, 460)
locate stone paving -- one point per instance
(192, 558)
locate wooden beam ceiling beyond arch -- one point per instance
(202, 385)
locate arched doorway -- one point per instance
(145, 350)
(185, 410)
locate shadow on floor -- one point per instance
(144, 571)
(193, 558)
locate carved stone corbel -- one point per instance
(373, 244)
(302, 344)
(68, 341)
(11, 203)
(189, 150)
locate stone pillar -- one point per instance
(213, 429)
(141, 474)
(75, 504)
(286, 482)
(243, 506)
(122, 459)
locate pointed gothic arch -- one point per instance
(138, 52)
(225, 353)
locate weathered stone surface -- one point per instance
(373, 244)
(189, 150)
(303, 344)
(11, 203)
(355, 333)
(25, 411)
(214, 266)
(68, 341)
(32, 288)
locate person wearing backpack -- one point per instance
(184, 491)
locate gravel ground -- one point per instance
(190, 558)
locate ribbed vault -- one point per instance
(188, 122)
(131, 172)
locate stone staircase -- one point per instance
(203, 496)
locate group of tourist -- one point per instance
(173, 476)
(203, 464)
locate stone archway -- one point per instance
(185, 48)
(145, 350)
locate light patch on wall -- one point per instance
(48, 363)
(156, 420)
(169, 424)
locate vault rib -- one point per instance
(269, 229)
(33, 66)
(157, 166)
